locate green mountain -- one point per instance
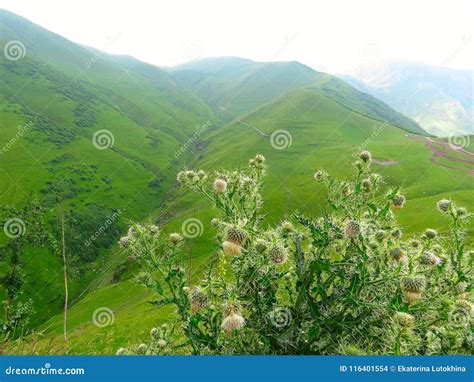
(61, 105)
(439, 99)
(234, 86)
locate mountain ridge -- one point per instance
(439, 98)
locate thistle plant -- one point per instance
(347, 282)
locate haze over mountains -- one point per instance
(439, 99)
(106, 134)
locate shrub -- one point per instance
(343, 283)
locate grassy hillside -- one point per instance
(234, 86)
(324, 135)
(62, 106)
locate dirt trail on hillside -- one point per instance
(446, 151)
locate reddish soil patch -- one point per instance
(445, 152)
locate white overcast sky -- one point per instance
(332, 35)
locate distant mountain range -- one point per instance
(233, 86)
(440, 99)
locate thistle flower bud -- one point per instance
(365, 156)
(220, 185)
(259, 158)
(444, 205)
(202, 175)
(154, 332)
(235, 235)
(191, 177)
(198, 299)
(376, 178)
(397, 234)
(430, 259)
(175, 237)
(461, 211)
(399, 255)
(153, 229)
(431, 233)
(287, 226)
(351, 229)
(261, 245)
(181, 177)
(278, 254)
(319, 176)
(404, 319)
(233, 321)
(415, 243)
(380, 235)
(366, 185)
(142, 348)
(124, 241)
(412, 288)
(132, 232)
(161, 343)
(398, 201)
(121, 351)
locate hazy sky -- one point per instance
(330, 35)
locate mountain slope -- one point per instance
(61, 94)
(234, 86)
(439, 99)
(90, 131)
